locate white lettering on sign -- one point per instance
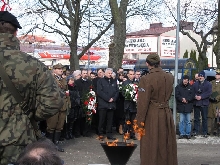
(167, 46)
(141, 45)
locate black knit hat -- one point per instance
(201, 74)
(9, 18)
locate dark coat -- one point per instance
(120, 104)
(187, 92)
(83, 86)
(107, 88)
(206, 91)
(75, 110)
(94, 83)
(129, 105)
(158, 145)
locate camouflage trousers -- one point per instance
(56, 122)
(9, 154)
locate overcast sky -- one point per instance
(18, 7)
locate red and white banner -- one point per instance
(66, 56)
(5, 6)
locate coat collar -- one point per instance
(10, 41)
(153, 70)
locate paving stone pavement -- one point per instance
(88, 151)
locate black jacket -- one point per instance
(187, 92)
(107, 88)
(75, 110)
(94, 83)
(129, 105)
(83, 86)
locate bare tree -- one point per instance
(120, 12)
(201, 14)
(68, 19)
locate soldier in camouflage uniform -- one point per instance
(34, 82)
(214, 104)
(56, 122)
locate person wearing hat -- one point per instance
(34, 83)
(203, 90)
(184, 94)
(214, 106)
(153, 110)
(56, 122)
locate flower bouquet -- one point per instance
(89, 105)
(130, 92)
(119, 85)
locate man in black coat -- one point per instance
(130, 108)
(184, 94)
(95, 118)
(83, 86)
(107, 91)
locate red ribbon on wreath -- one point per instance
(5, 6)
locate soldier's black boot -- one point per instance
(50, 135)
(63, 132)
(56, 141)
(67, 137)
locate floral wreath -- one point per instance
(130, 92)
(89, 105)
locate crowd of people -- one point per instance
(58, 100)
(202, 98)
(112, 108)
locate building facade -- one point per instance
(160, 40)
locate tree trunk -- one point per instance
(116, 48)
(74, 59)
(202, 63)
(217, 45)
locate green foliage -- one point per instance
(203, 64)
(186, 54)
(129, 92)
(193, 57)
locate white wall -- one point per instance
(185, 42)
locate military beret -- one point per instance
(9, 18)
(217, 71)
(58, 66)
(153, 58)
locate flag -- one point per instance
(5, 6)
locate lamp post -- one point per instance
(176, 60)
(213, 37)
(89, 41)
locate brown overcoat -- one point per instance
(158, 145)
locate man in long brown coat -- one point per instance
(158, 145)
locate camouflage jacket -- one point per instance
(37, 86)
(215, 105)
